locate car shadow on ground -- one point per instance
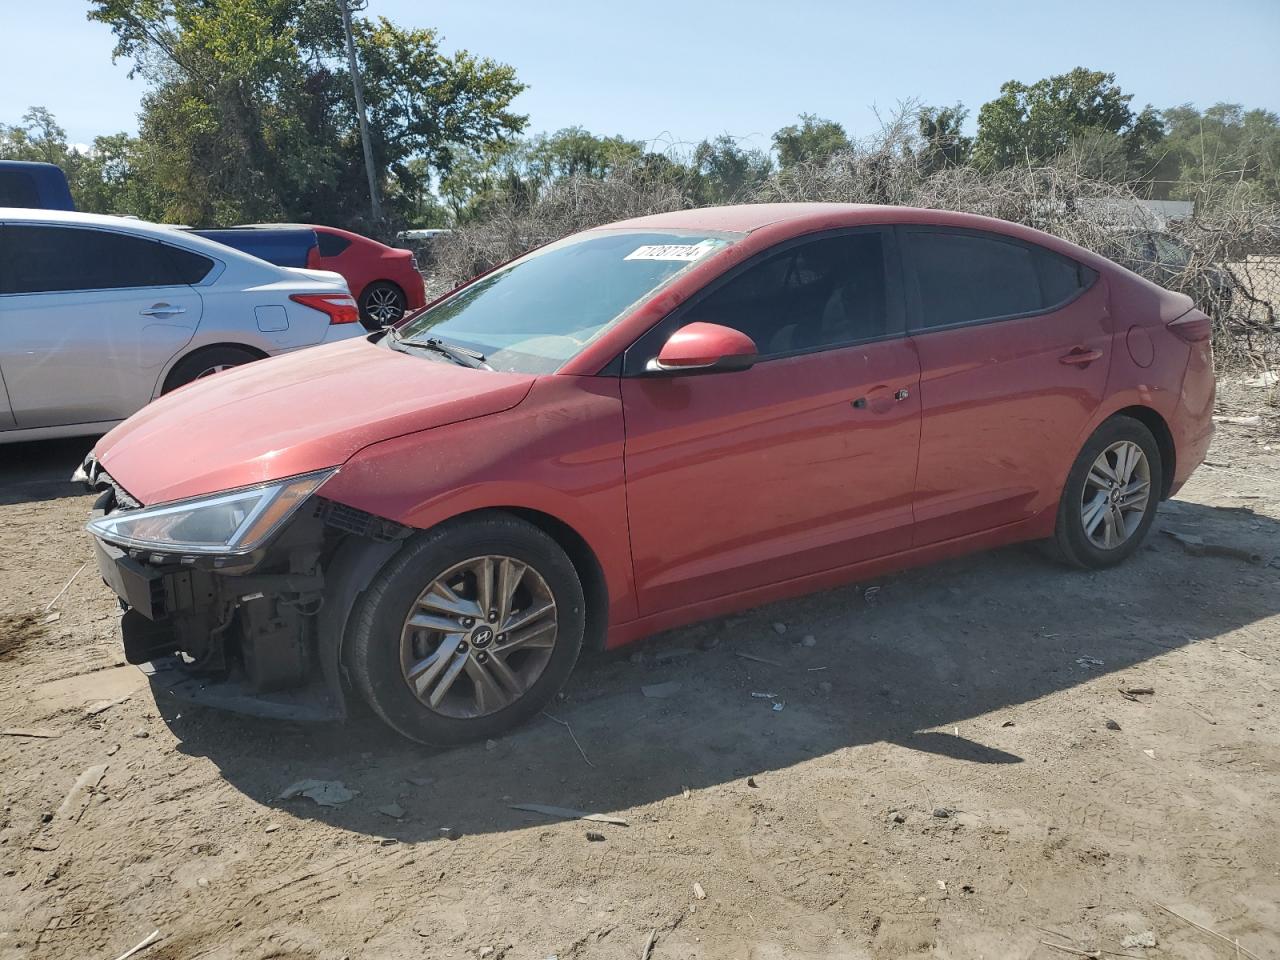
(943, 660)
(34, 471)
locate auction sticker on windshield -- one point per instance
(673, 251)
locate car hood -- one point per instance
(293, 414)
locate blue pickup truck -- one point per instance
(36, 186)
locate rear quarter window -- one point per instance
(330, 244)
(187, 265)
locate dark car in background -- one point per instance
(384, 280)
(1167, 260)
(34, 186)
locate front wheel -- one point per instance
(1109, 501)
(469, 631)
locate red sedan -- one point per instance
(640, 426)
(384, 280)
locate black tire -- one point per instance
(374, 639)
(382, 303)
(205, 363)
(1071, 543)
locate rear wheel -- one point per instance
(381, 304)
(205, 363)
(1109, 501)
(470, 631)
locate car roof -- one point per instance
(169, 233)
(782, 220)
(746, 217)
(74, 218)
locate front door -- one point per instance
(804, 462)
(88, 319)
(1014, 344)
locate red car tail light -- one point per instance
(1193, 327)
(340, 307)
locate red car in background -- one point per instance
(636, 427)
(384, 280)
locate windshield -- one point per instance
(535, 313)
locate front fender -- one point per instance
(559, 453)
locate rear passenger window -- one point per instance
(43, 259)
(963, 278)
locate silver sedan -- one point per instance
(99, 315)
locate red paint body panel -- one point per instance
(1001, 414)
(292, 414)
(700, 495)
(738, 480)
(366, 261)
(559, 453)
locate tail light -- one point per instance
(1193, 327)
(339, 307)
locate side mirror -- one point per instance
(704, 348)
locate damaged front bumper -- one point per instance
(258, 633)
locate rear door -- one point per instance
(1014, 344)
(88, 319)
(802, 463)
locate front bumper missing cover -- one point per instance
(259, 634)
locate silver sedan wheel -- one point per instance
(216, 368)
(1116, 493)
(383, 305)
(478, 637)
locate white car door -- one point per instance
(88, 319)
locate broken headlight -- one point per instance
(234, 522)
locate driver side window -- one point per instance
(811, 296)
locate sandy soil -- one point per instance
(980, 689)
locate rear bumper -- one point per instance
(1192, 422)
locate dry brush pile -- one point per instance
(1233, 268)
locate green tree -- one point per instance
(1225, 145)
(943, 141)
(725, 172)
(812, 139)
(1039, 122)
(250, 113)
(574, 151)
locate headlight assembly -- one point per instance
(233, 522)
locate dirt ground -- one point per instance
(954, 771)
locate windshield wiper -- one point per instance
(459, 355)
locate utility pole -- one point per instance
(375, 202)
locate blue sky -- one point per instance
(676, 72)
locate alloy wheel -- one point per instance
(383, 305)
(216, 368)
(1116, 493)
(478, 637)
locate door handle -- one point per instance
(1080, 357)
(882, 403)
(162, 310)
